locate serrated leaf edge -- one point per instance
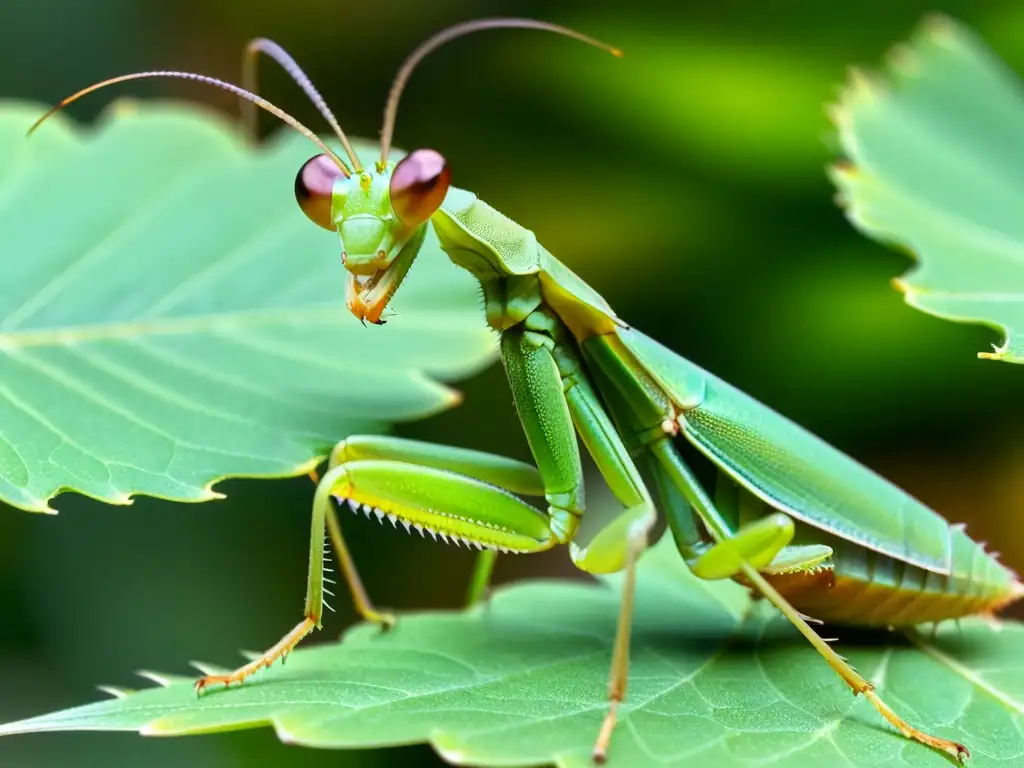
(860, 86)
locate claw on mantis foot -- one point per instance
(385, 621)
(954, 749)
(600, 753)
(278, 651)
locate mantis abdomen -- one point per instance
(868, 588)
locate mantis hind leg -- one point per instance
(761, 542)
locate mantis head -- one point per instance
(380, 215)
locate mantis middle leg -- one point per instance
(535, 354)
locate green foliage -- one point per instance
(716, 680)
(935, 167)
(170, 318)
(699, 92)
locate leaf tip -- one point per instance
(1003, 352)
(34, 504)
(209, 669)
(998, 352)
(834, 111)
(842, 170)
(124, 106)
(115, 691)
(448, 397)
(939, 27)
(283, 734)
(903, 58)
(448, 754)
(309, 466)
(158, 727)
(902, 286)
(159, 677)
(855, 93)
(208, 494)
(861, 87)
(10, 729)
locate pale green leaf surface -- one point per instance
(935, 166)
(169, 317)
(715, 681)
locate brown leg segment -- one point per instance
(619, 676)
(278, 651)
(682, 477)
(850, 676)
(324, 515)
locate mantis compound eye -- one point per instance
(418, 186)
(314, 189)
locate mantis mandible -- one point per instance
(801, 524)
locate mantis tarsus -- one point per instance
(803, 525)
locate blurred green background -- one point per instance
(727, 247)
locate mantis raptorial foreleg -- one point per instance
(512, 475)
(447, 495)
(732, 553)
(325, 519)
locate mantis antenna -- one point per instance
(289, 65)
(241, 92)
(446, 35)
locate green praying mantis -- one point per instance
(795, 520)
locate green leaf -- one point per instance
(935, 167)
(170, 318)
(715, 680)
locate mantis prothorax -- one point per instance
(803, 525)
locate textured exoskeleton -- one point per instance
(802, 524)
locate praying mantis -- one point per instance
(798, 522)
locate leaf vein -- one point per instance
(145, 384)
(97, 251)
(235, 257)
(36, 416)
(193, 366)
(73, 383)
(967, 674)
